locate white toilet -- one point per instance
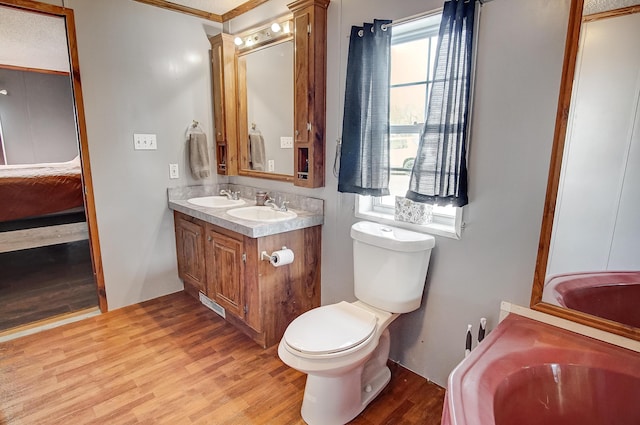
(344, 347)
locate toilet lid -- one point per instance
(330, 329)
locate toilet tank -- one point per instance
(390, 265)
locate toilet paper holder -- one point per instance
(278, 258)
(265, 256)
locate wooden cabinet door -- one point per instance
(217, 67)
(223, 69)
(310, 25)
(190, 252)
(225, 272)
(303, 93)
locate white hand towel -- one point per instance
(199, 156)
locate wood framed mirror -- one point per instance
(265, 81)
(588, 267)
(303, 142)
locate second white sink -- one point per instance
(216, 202)
(265, 214)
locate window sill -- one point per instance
(364, 211)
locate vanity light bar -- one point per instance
(279, 29)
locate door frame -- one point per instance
(89, 202)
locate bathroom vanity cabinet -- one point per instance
(258, 298)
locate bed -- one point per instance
(30, 192)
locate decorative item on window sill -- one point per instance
(413, 212)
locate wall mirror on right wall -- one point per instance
(588, 267)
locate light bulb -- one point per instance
(275, 27)
(238, 41)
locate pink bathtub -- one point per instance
(530, 373)
(609, 295)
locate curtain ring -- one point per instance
(383, 27)
(372, 29)
(360, 33)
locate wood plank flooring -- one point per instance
(172, 361)
(40, 283)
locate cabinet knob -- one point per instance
(297, 133)
(209, 239)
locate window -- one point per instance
(413, 51)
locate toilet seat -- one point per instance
(330, 329)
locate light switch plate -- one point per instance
(144, 142)
(271, 165)
(173, 171)
(286, 142)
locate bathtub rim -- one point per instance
(471, 377)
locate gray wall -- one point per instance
(144, 70)
(136, 77)
(521, 47)
(37, 116)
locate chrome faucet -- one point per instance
(275, 206)
(230, 194)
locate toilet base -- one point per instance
(336, 400)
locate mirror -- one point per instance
(588, 267)
(265, 106)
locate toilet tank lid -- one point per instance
(390, 237)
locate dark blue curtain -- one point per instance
(364, 155)
(439, 174)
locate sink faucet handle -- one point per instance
(230, 194)
(283, 207)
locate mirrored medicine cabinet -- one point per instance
(269, 97)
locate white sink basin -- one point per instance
(265, 214)
(216, 202)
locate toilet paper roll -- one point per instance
(281, 257)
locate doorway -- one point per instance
(48, 227)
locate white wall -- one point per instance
(136, 78)
(144, 70)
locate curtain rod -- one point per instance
(424, 15)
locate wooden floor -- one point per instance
(40, 283)
(172, 361)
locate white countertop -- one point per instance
(177, 200)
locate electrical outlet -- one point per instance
(144, 142)
(271, 165)
(286, 142)
(173, 171)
